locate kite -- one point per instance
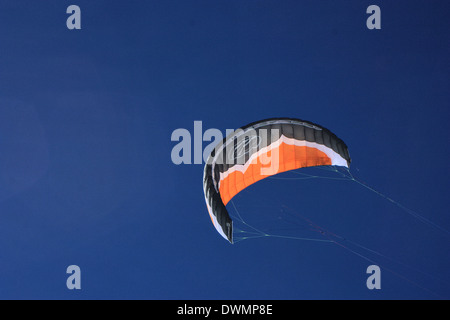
(260, 150)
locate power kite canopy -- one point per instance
(260, 150)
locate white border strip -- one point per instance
(215, 222)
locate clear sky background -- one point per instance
(86, 118)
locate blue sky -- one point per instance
(86, 118)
